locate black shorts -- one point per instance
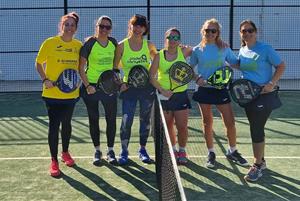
(268, 101)
(178, 101)
(213, 96)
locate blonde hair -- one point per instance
(220, 44)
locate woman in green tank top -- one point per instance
(135, 50)
(176, 107)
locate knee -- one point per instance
(257, 137)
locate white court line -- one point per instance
(134, 157)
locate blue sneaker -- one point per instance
(123, 160)
(97, 158)
(143, 155)
(254, 173)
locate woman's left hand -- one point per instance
(268, 88)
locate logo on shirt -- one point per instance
(138, 60)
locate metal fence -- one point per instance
(26, 24)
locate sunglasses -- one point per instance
(213, 31)
(174, 37)
(107, 27)
(247, 30)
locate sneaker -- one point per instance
(263, 165)
(123, 160)
(143, 155)
(237, 158)
(67, 159)
(182, 159)
(176, 155)
(211, 161)
(253, 174)
(111, 158)
(97, 158)
(54, 168)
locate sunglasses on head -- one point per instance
(247, 30)
(107, 27)
(211, 31)
(174, 37)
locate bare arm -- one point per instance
(276, 76)
(152, 49)
(40, 69)
(118, 54)
(89, 88)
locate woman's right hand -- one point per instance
(123, 87)
(166, 93)
(48, 84)
(200, 81)
(90, 89)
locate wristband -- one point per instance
(270, 82)
(44, 80)
(116, 70)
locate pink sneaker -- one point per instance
(67, 159)
(54, 168)
(182, 158)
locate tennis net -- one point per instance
(167, 173)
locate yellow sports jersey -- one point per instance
(131, 58)
(58, 56)
(163, 70)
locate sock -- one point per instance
(97, 148)
(232, 149)
(211, 150)
(174, 148)
(181, 149)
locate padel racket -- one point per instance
(68, 81)
(180, 74)
(221, 78)
(138, 77)
(109, 82)
(244, 91)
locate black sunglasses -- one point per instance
(247, 30)
(211, 31)
(107, 27)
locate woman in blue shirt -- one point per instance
(256, 62)
(211, 54)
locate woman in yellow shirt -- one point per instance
(55, 55)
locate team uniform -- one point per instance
(58, 56)
(256, 65)
(145, 96)
(208, 59)
(99, 59)
(179, 100)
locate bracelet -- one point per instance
(44, 80)
(270, 82)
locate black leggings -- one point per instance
(110, 108)
(59, 113)
(257, 120)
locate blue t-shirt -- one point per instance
(209, 58)
(256, 62)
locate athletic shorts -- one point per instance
(213, 96)
(178, 101)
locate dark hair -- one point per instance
(103, 17)
(247, 22)
(72, 15)
(141, 20)
(169, 31)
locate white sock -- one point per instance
(174, 148)
(211, 150)
(232, 149)
(181, 149)
(97, 148)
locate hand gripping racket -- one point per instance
(68, 81)
(109, 82)
(138, 77)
